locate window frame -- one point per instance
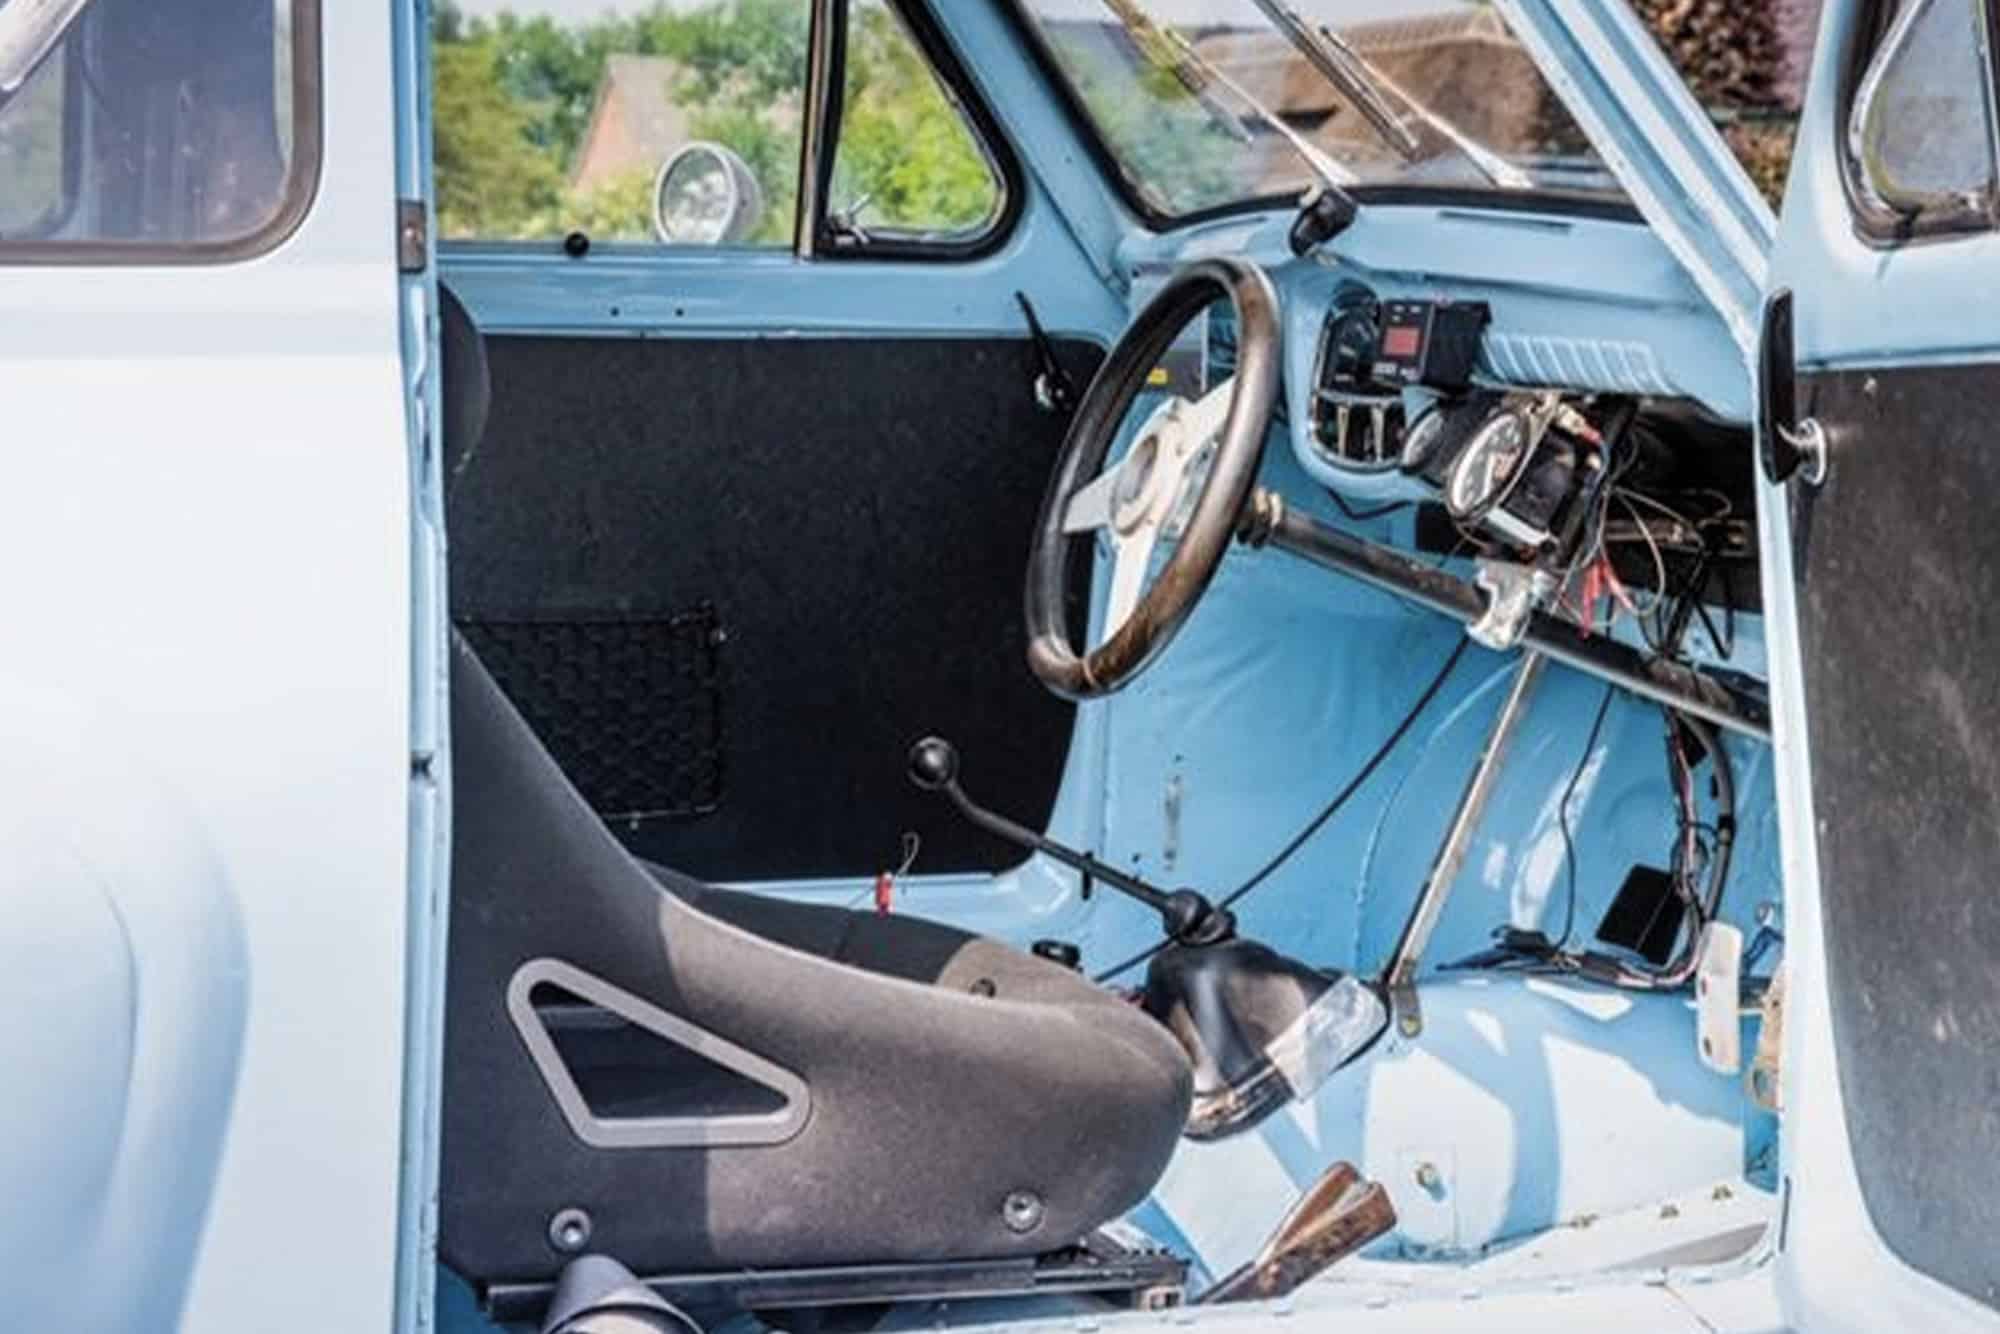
(302, 180)
(1875, 221)
(814, 238)
(828, 242)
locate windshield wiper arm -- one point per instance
(1154, 44)
(1325, 212)
(1362, 83)
(1494, 167)
(1333, 174)
(1339, 66)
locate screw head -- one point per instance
(1022, 1211)
(569, 1231)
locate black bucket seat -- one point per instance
(693, 1079)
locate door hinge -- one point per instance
(1785, 443)
(413, 236)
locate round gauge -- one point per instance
(1350, 346)
(1484, 473)
(1421, 441)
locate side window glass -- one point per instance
(154, 133)
(909, 166)
(556, 116)
(33, 156)
(1920, 133)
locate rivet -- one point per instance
(1428, 1176)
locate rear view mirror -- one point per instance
(706, 195)
(28, 30)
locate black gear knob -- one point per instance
(933, 763)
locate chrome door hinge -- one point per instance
(413, 236)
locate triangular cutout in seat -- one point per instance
(629, 1075)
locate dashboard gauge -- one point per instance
(1421, 441)
(1351, 336)
(1356, 424)
(1489, 466)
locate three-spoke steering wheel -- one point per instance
(1186, 476)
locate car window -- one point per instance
(1921, 132)
(97, 99)
(555, 116)
(32, 156)
(908, 164)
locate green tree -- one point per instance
(1170, 143)
(492, 178)
(515, 95)
(751, 53)
(903, 145)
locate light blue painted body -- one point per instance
(1285, 679)
(231, 1030)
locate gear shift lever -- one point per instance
(1185, 915)
(1258, 1027)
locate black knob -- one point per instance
(933, 763)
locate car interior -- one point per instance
(1160, 753)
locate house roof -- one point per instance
(638, 95)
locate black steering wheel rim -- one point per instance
(1165, 607)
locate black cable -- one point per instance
(1326, 813)
(1562, 813)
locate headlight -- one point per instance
(1489, 466)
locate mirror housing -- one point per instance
(707, 195)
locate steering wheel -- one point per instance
(1187, 474)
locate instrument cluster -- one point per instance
(1394, 391)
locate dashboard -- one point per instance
(1580, 428)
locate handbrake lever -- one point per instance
(1186, 915)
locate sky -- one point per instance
(1170, 11)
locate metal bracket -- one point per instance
(1513, 592)
(1399, 977)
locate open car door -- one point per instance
(1881, 369)
(1877, 353)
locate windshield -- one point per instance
(1470, 110)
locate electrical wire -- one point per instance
(1562, 813)
(1326, 813)
(1658, 594)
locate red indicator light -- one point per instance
(1401, 342)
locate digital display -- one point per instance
(1402, 341)
(1431, 343)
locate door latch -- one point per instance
(1055, 392)
(1786, 444)
(413, 236)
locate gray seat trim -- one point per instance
(650, 1132)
